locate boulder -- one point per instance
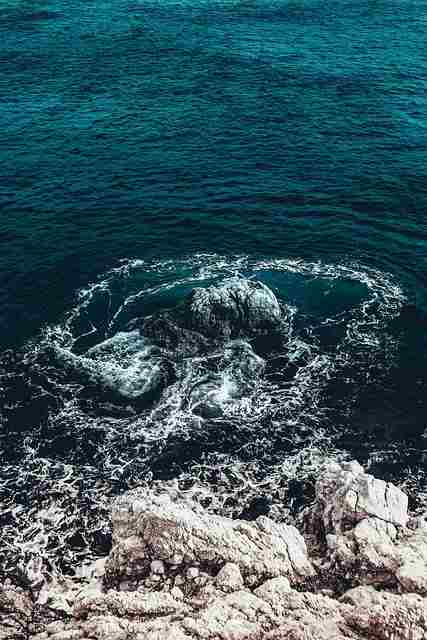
(229, 578)
(235, 308)
(363, 521)
(151, 527)
(347, 495)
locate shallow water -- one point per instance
(147, 148)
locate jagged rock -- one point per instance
(55, 627)
(273, 589)
(400, 618)
(174, 538)
(108, 627)
(149, 526)
(192, 573)
(176, 593)
(274, 612)
(363, 521)
(237, 614)
(237, 307)
(158, 567)
(279, 614)
(411, 554)
(59, 603)
(366, 597)
(347, 495)
(67, 634)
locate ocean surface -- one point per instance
(148, 148)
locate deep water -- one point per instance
(150, 147)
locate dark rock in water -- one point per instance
(238, 370)
(240, 358)
(142, 382)
(236, 308)
(164, 331)
(206, 400)
(121, 347)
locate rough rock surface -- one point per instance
(348, 495)
(236, 307)
(179, 573)
(363, 521)
(273, 611)
(148, 526)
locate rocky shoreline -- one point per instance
(355, 569)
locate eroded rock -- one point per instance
(237, 307)
(274, 611)
(347, 495)
(155, 527)
(221, 579)
(363, 521)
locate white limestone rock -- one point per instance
(411, 554)
(347, 494)
(165, 529)
(364, 523)
(229, 578)
(179, 537)
(273, 589)
(129, 604)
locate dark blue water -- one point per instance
(285, 141)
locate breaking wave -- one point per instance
(232, 378)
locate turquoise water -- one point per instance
(160, 129)
(148, 147)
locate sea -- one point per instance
(149, 148)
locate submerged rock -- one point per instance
(164, 331)
(237, 371)
(125, 366)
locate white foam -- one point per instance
(268, 412)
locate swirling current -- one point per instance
(143, 383)
(214, 248)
